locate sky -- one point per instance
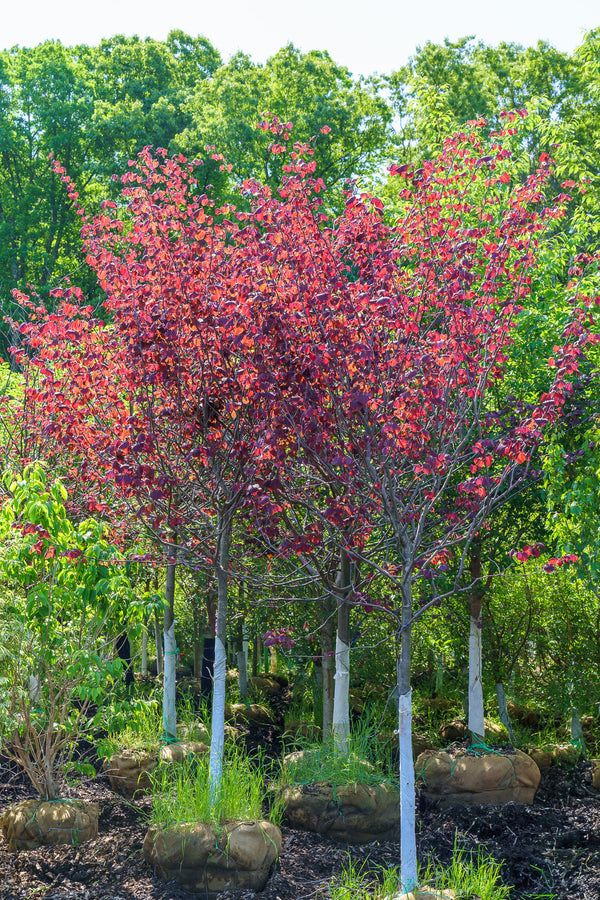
(367, 36)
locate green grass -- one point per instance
(141, 731)
(469, 876)
(143, 727)
(367, 761)
(182, 793)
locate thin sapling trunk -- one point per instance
(242, 663)
(217, 743)
(170, 661)
(476, 712)
(503, 711)
(408, 841)
(144, 659)
(341, 696)
(327, 672)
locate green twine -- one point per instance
(481, 745)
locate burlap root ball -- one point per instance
(40, 823)
(209, 858)
(182, 750)
(129, 772)
(351, 813)
(464, 778)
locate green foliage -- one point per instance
(312, 92)
(93, 108)
(445, 85)
(136, 726)
(67, 593)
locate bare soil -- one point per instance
(549, 849)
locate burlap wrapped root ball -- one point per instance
(351, 814)
(129, 772)
(467, 778)
(212, 858)
(40, 823)
(181, 751)
(254, 712)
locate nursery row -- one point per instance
(322, 443)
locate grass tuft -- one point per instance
(470, 876)
(182, 793)
(367, 760)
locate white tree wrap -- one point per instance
(217, 741)
(408, 842)
(341, 696)
(170, 664)
(476, 723)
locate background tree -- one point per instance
(311, 91)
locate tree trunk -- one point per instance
(35, 688)
(476, 718)
(439, 674)
(327, 669)
(123, 648)
(255, 655)
(208, 668)
(224, 531)
(503, 711)
(577, 737)
(144, 660)
(341, 697)
(170, 662)
(158, 638)
(408, 841)
(197, 637)
(317, 690)
(242, 664)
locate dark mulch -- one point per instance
(549, 849)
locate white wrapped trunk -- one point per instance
(242, 662)
(35, 688)
(408, 841)
(217, 741)
(341, 696)
(476, 723)
(170, 664)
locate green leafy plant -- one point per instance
(140, 730)
(67, 594)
